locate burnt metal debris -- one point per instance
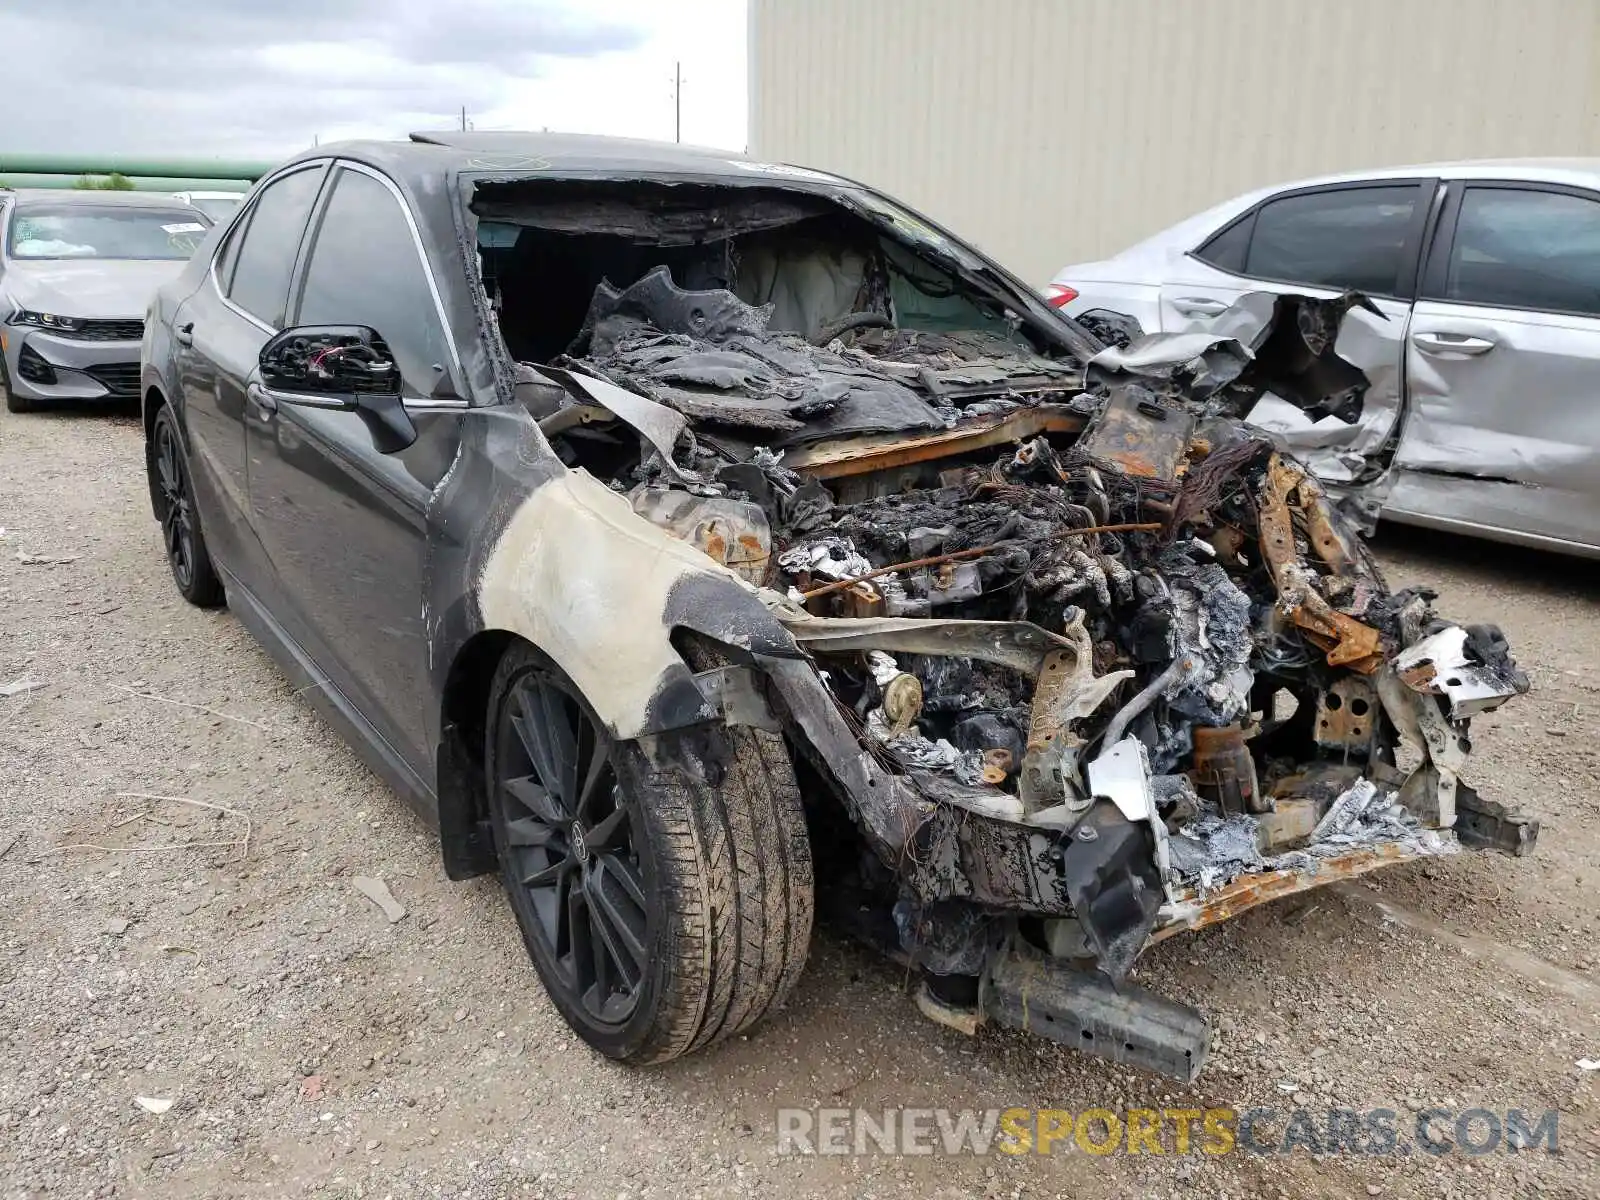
(1084, 658)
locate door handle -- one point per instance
(261, 398)
(1451, 343)
(1199, 306)
(184, 334)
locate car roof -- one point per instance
(558, 154)
(92, 196)
(1555, 170)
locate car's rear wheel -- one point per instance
(663, 913)
(173, 493)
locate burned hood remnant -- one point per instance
(1070, 655)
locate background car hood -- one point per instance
(104, 287)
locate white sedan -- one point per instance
(1481, 348)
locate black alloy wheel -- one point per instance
(569, 832)
(173, 494)
(665, 908)
(177, 515)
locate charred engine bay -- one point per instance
(1189, 671)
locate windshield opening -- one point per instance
(81, 231)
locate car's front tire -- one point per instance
(662, 911)
(14, 402)
(172, 490)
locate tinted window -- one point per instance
(1349, 238)
(228, 255)
(1538, 250)
(365, 270)
(265, 257)
(1227, 249)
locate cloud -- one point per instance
(243, 78)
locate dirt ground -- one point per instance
(308, 1045)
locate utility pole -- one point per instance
(677, 101)
(463, 118)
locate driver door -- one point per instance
(342, 522)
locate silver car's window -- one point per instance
(1526, 249)
(365, 270)
(1345, 238)
(84, 231)
(265, 258)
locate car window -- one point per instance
(78, 230)
(1227, 249)
(1526, 249)
(1346, 238)
(365, 269)
(229, 254)
(265, 257)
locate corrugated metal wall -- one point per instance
(1054, 131)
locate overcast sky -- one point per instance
(263, 78)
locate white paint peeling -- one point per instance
(584, 578)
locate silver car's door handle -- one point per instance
(184, 334)
(1199, 306)
(1451, 343)
(261, 398)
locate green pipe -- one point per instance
(141, 183)
(187, 168)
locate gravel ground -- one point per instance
(308, 1045)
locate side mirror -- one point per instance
(339, 366)
(330, 360)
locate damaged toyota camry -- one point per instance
(701, 542)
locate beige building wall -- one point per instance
(1055, 131)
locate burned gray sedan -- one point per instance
(701, 542)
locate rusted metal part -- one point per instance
(1420, 677)
(1347, 641)
(1047, 723)
(1224, 770)
(1067, 690)
(1288, 825)
(1143, 438)
(862, 455)
(975, 552)
(1331, 548)
(1346, 715)
(1190, 911)
(997, 766)
(861, 599)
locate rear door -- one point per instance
(220, 330)
(1320, 241)
(343, 524)
(1504, 363)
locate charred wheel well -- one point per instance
(464, 835)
